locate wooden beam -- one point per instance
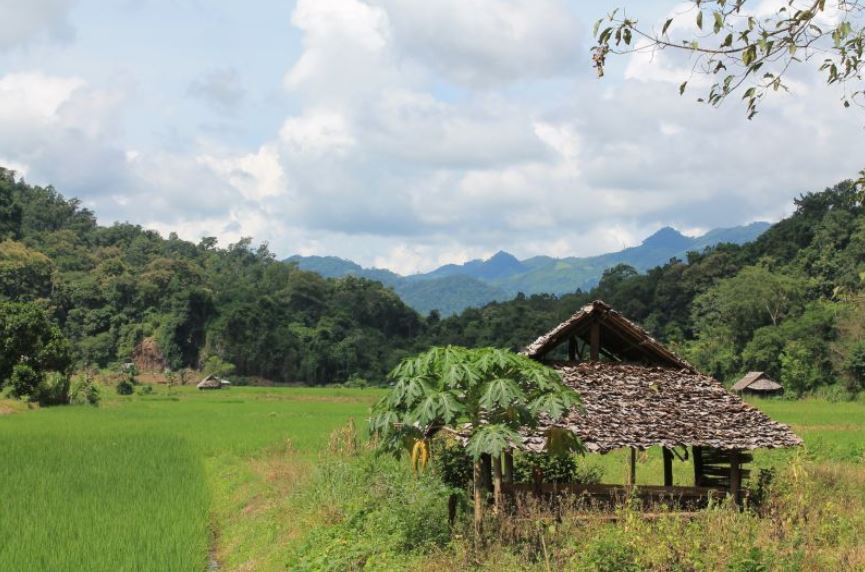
(735, 476)
(697, 453)
(572, 348)
(668, 467)
(632, 467)
(595, 340)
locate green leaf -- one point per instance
(683, 87)
(666, 26)
(700, 19)
(719, 22)
(500, 393)
(492, 440)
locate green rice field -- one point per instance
(172, 482)
(130, 485)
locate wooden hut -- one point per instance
(213, 382)
(757, 383)
(637, 394)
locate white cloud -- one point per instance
(23, 22)
(487, 42)
(318, 132)
(420, 133)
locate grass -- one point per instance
(259, 479)
(135, 484)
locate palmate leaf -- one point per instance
(383, 423)
(407, 392)
(492, 440)
(555, 404)
(500, 393)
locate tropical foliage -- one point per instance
(484, 394)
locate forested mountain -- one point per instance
(454, 287)
(790, 303)
(109, 288)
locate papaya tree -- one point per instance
(485, 395)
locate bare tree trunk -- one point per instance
(497, 484)
(478, 496)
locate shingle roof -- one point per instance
(639, 406)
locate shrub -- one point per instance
(452, 463)
(84, 391)
(53, 390)
(555, 469)
(385, 515)
(24, 380)
(145, 390)
(125, 387)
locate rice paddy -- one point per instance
(170, 482)
(130, 485)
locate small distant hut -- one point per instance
(638, 394)
(213, 382)
(758, 383)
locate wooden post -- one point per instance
(668, 467)
(697, 453)
(632, 467)
(572, 348)
(595, 341)
(497, 484)
(735, 476)
(478, 495)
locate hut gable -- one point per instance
(757, 382)
(599, 329)
(627, 405)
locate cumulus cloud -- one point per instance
(24, 22)
(422, 133)
(487, 42)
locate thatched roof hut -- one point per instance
(758, 383)
(642, 394)
(213, 382)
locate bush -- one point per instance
(452, 463)
(53, 390)
(24, 381)
(385, 515)
(84, 391)
(555, 469)
(145, 390)
(125, 387)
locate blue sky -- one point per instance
(398, 133)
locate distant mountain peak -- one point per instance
(667, 237)
(502, 256)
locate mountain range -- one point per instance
(454, 287)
